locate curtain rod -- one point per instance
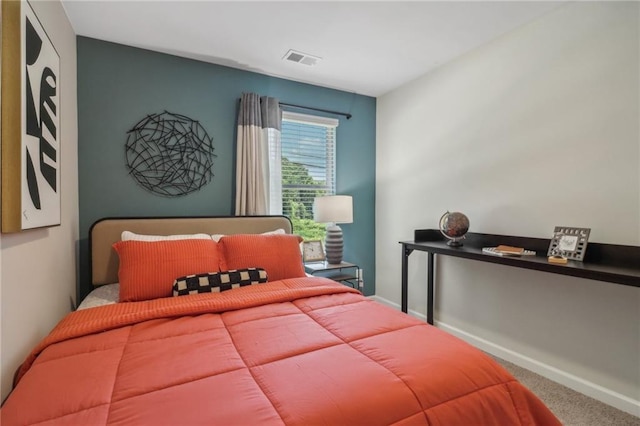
(346, 114)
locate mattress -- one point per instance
(298, 351)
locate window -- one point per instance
(302, 166)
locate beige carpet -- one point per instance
(571, 407)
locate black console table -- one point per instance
(602, 262)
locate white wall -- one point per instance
(538, 128)
(38, 267)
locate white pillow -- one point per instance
(216, 237)
(128, 235)
(103, 295)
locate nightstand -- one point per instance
(345, 272)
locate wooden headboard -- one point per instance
(105, 232)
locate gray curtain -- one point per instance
(259, 119)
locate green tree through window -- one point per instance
(297, 199)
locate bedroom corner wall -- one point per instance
(120, 85)
(38, 267)
(535, 129)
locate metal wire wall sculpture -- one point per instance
(170, 154)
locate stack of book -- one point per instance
(503, 250)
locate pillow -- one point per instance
(218, 281)
(148, 269)
(128, 235)
(216, 237)
(277, 254)
(103, 295)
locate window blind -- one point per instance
(307, 157)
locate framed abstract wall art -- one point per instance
(30, 121)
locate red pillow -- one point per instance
(279, 255)
(148, 269)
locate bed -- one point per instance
(216, 322)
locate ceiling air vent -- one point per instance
(301, 58)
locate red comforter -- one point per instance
(298, 352)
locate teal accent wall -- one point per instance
(119, 85)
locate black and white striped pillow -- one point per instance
(215, 282)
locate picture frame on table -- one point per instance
(30, 121)
(569, 243)
(312, 251)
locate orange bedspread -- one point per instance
(298, 352)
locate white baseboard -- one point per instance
(565, 378)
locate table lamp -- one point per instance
(332, 210)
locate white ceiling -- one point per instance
(366, 47)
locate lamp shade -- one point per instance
(333, 209)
